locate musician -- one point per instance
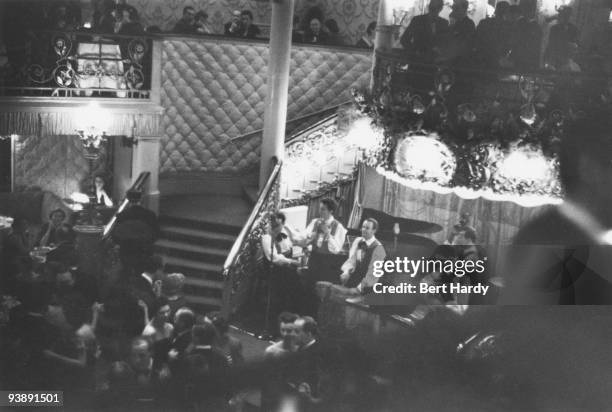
(357, 272)
(277, 248)
(325, 234)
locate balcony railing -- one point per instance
(78, 64)
(400, 77)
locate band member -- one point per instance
(325, 234)
(357, 272)
(284, 282)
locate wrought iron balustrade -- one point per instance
(241, 263)
(402, 81)
(78, 64)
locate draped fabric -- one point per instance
(496, 222)
(343, 194)
(54, 123)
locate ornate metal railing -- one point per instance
(241, 262)
(402, 80)
(78, 64)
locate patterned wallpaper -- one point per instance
(352, 16)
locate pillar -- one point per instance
(145, 158)
(385, 32)
(275, 114)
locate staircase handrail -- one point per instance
(242, 242)
(137, 186)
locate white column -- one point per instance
(275, 114)
(145, 158)
(384, 26)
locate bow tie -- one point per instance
(280, 237)
(362, 245)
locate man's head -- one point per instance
(219, 322)
(327, 208)
(565, 13)
(435, 7)
(203, 334)
(459, 9)
(286, 321)
(57, 217)
(140, 355)
(246, 18)
(586, 163)
(528, 8)
(315, 26)
(513, 13)
(189, 14)
(161, 310)
(369, 228)
(184, 319)
(501, 8)
(64, 278)
(305, 330)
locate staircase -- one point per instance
(197, 249)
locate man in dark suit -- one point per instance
(561, 36)
(204, 371)
(135, 212)
(186, 24)
(184, 319)
(563, 256)
(424, 32)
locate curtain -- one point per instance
(496, 222)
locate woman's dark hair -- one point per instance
(330, 204)
(158, 303)
(201, 15)
(371, 28)
(57, 211)
(332, 26)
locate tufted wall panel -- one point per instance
(213, 91)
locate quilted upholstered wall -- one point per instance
(213, 91)
(54, 163)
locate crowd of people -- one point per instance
(512, 38)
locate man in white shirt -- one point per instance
(325, 234)
(358, 271)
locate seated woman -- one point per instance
(49, 230)
(102, 198)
